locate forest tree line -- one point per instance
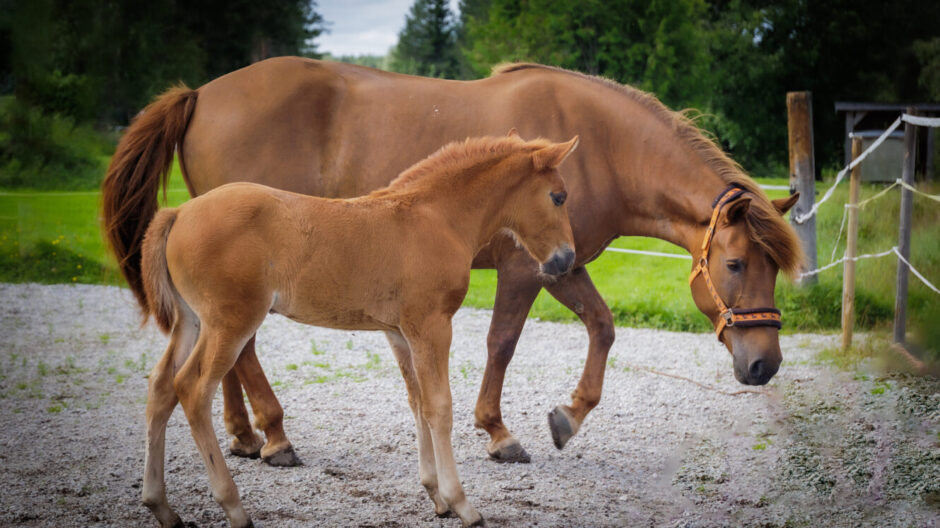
(68, 66)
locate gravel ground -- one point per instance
(852, 448)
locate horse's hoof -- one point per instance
(509, 451)
(252, 450)
(562, 425)
(245, 453)
(448, 514)
(478, 522)
(285, 458)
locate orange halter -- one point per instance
(741, 317)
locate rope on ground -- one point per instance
(702, 385)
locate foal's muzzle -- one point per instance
(561, 261)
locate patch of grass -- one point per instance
(641, 291)
(315, 350)
(291, 366)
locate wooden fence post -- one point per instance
(803, 173)
(904, 232)
(848, 275)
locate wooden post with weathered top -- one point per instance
(904, 232)
(803, 173)
(848, 275)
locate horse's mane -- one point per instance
(767, 227)
(455, 159)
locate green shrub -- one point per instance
(47, 151)
(50, 262)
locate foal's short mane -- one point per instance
(767, 226)
(455, 159)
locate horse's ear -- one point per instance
(513, 133)
(738, 209)
(782, 205)
(553, 155)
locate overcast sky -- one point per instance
(363, 27)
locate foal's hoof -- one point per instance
(446, 514)
(508, 451)
(478, 522)
(563, 425)
(285, 458)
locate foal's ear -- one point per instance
(738, 209)
(782, 205)
(553, 155)
(513, 133)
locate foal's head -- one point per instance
(538, 216)
(749, 244)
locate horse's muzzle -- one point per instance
(561, 262)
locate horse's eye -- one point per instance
(735, 265)
(558, 198)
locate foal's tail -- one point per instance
(142, 160)
(157, 286)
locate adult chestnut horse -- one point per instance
(332, 129)
(397, 260)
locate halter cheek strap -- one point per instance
(741, 317)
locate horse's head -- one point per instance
(734, 276)
(540, 216)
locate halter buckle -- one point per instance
(728, 316)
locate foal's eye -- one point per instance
(558, 198)
(735, 265)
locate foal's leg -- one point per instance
(195, 384)
(429, 341)
(427, 471)
(161, 400)
(577, 292)
(516, 289)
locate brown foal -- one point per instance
(397, 260)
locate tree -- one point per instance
(427, 44)
(656, 45)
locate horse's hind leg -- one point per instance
(577, 292)
(245, 442)
(516, 290)
(161, 400)
(195, 384)
(269, 416)
(427, 472)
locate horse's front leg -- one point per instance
(516, 289)
(429, 340)
(427, 470)
(577, 292)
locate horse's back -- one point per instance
(340, 130)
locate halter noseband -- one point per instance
(741, 317)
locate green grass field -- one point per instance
(54, 237)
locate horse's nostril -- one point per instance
(756, 370)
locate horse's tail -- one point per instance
(157, 285)
(140, 163)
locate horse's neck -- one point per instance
(667, 189)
